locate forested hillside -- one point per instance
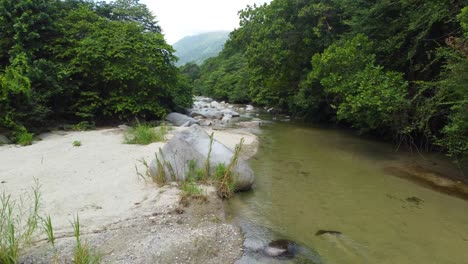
(78, 60)
(398, 69)
(198, 48)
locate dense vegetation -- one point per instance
(198, 48)
(77, 60)
(394, 68)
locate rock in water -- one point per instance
(180, 119)
(331, 232)
(280, 248)
(193, 144)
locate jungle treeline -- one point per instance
(395, 68)
(70, 61)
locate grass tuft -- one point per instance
(83, 126)
(224, 176)
(145, 134)
(76, 143)
(83, 253)
(17, 225)
(24, 138)
(47, 225)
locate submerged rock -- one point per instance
(330, 232)
(180, 119)
(281, 248)
(193, 145)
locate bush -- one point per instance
(145, 134)
(76, 143)
(84, 126)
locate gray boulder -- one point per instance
(193, 144)
(230, 112)
(4, 140)
(180, 119)
(207, 113)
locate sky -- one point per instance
(180, 18)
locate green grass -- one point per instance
(76, 143)
(190, 188)
(224, 176)
(83, 253)
(17, 224)
(145, 134)
(47, 225)
(24, 138)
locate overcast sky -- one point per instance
(180, 18)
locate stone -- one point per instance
(180, 119)
(227, 118)
(281, 247)
(249, 108)
(214, 104)
(230, 112)
(4, 140)
(193, 144)
(207, 113)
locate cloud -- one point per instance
(180, 18)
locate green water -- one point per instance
(309, 179)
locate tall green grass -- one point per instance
(18, 223)
(83, 253)
(145, 134)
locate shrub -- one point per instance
(76, 143)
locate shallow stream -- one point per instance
(310, 179)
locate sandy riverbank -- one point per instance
(129, 220)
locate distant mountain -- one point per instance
(200, 47)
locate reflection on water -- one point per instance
(310, 179)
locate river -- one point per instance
(312, 178)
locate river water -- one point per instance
(312, 178)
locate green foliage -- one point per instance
(84, 61)
(145, 134)
(363, 94)
(77, 143)
(24, 138)
(396, 68)
(83, 126)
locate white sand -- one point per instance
(96, 180)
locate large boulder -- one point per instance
(180, 119)
(207, 113)
(193, 144)
(230, 112)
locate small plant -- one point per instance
(191, 189)
(83, 253)
(17, 225)
(76, 143)
(83, 126)
(47, 224)
(160, 178)
(207, 162)
(24, 138)
(194, 173)
(145, 134)
(224, 178)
